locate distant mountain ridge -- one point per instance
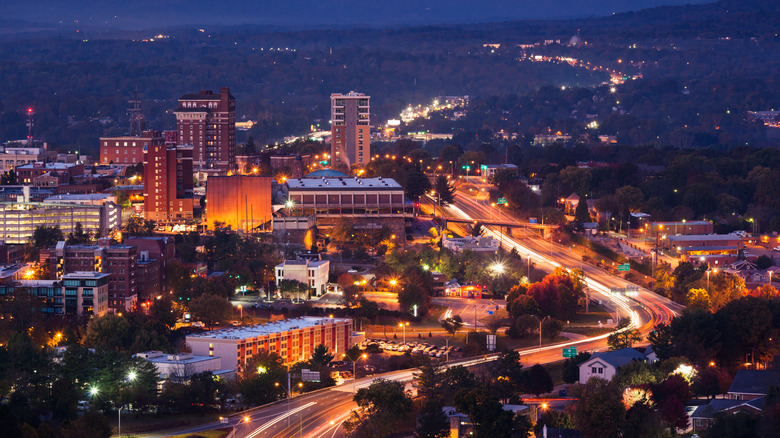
(141, 14)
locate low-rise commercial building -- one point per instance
(182, 366)
(476, 244)
(313, 273)
(681, 227)
(292, 339)
(11, 157)
(63, 172)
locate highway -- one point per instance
(321, 414)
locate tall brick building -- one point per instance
(128, 150)
(168, 183)
(119, 261)
(350, 144)
(207, 121)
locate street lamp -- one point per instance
(540, 329)
(708, 278)
(241, 308)
(354, 369)
(403, 324)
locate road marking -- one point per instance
(278, 419)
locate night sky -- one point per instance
(139, 14)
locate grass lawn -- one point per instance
(588, 331)
(149, 422)
(596, 314)
(218, 433)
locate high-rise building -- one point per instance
(350, 144)
(168, 183)
(207, 121)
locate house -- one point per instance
(703, 415)
(605, 365)
(752, 384)
(461, 425)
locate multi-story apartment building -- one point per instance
(118, 261)
(168, 183)
(207, 121)
(292, 339)
(128, 150)
(350, 116)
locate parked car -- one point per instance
(198, 324)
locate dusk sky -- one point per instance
(148, 13)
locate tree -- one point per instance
(581, 213)
(739, 424)
(525, 325)
(431, 422)
(210, 309)
(670, 396)
(489, 418)
(537, 380)
(698, 299)
(522, 305)
(477, 229)
(110, 332)
(452, 324)
(571, 367)
(46, 237)
(417, 184)
(623, 336)
(381, 407)
(78, 236)
(320, 357)
(711, 381)
(551, 328)
(495, 322)
(412, 295)
(635, 373)
(724, 288)
(92, 424)
(9, 178)
(429, 381)
(599, 411)
(445, 191)
(263, 380)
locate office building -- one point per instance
(11, 157)
(168, 183)
(182, 366)
(207, 121)
(75, 295)
(369, 203)
(292, 339)
(240, 202)
(118, 262)
(312, 273)
(350, 116)
(154, 256)
(128, 150)
(18, 220)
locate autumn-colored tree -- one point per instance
(698, 299)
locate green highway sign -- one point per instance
(625, 267)
(502, 200)
(570, 352)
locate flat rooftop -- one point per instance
(703, 237)
(84, 274)
(253, 331)
(343, 183)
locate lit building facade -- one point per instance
(168, 183)
(128, 150)
(18, 220)
(312, 273)
(241, 202)
(292, 339)
(207, 121)
(350, 116)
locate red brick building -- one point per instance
(119, 261)
(154, 255)
(127, 150)
(168, 183)
(63, 172)
(207, 121)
